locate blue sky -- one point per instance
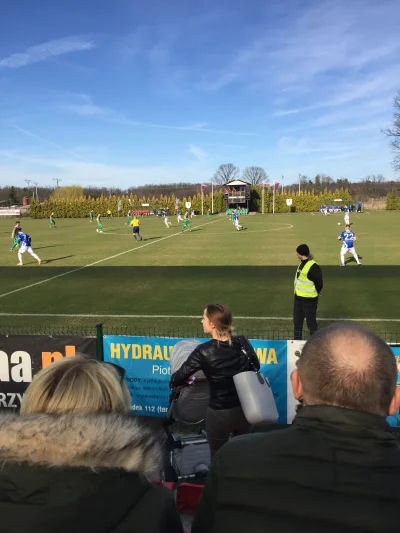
(124, 93)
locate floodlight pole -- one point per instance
(299, 182)
(212, 198)
(58, 187)
(28, 182)
(36, 183)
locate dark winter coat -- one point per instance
(219, 361)
(81, 474)
(334, 470)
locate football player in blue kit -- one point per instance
(24, 241)
(348, 237)
(235, 218)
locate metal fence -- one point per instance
(49, 330)
(98, 330)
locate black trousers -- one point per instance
(305, 309)
(222, 424)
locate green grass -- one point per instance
(251, 270)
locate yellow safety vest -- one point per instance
(302, 285)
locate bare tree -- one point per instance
(255, 175)
(394, 133)
(225, 172)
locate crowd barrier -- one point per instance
(146, 361)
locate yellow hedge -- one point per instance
(81, 207)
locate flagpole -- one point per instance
(273, 200)
(212, 198)
(262, 195)
(202, 200)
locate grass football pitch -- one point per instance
(161, 284)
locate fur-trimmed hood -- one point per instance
(93, 441)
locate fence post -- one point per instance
(99, 337)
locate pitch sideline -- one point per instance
(91, 315)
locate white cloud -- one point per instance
(86, 107)
(323, 40)
(85, 110)
(44, 51)
(303, 146)
(197, 152)
(47, 141)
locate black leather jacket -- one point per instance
(219, 361)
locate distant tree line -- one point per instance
(374, 186)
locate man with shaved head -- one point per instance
(337, 468)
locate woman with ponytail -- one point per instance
(220, 359)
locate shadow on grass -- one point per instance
(47, 261)
(352, 260)
(43, 247)
(161, 300)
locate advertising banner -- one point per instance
(10, 212)
(273, 361)
(394, 420)
(147, 364)
(23, 356)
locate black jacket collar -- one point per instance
(345, 422)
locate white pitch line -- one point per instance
(100, 261)
(91, 315)
(286, 226)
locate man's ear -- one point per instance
(297, 385)
(395, 403)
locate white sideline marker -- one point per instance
(100, 261)
(91, 315)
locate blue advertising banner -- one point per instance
(147, 364)
(394, 420)
(146, 361)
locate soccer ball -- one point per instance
(338, 223)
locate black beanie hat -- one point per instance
(303, 249)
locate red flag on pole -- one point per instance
(204, 186)
(277, 184)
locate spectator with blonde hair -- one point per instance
(74, 460)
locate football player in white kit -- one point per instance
(346, 215)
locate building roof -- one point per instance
(237, 182)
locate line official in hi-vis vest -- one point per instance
(308, 284)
